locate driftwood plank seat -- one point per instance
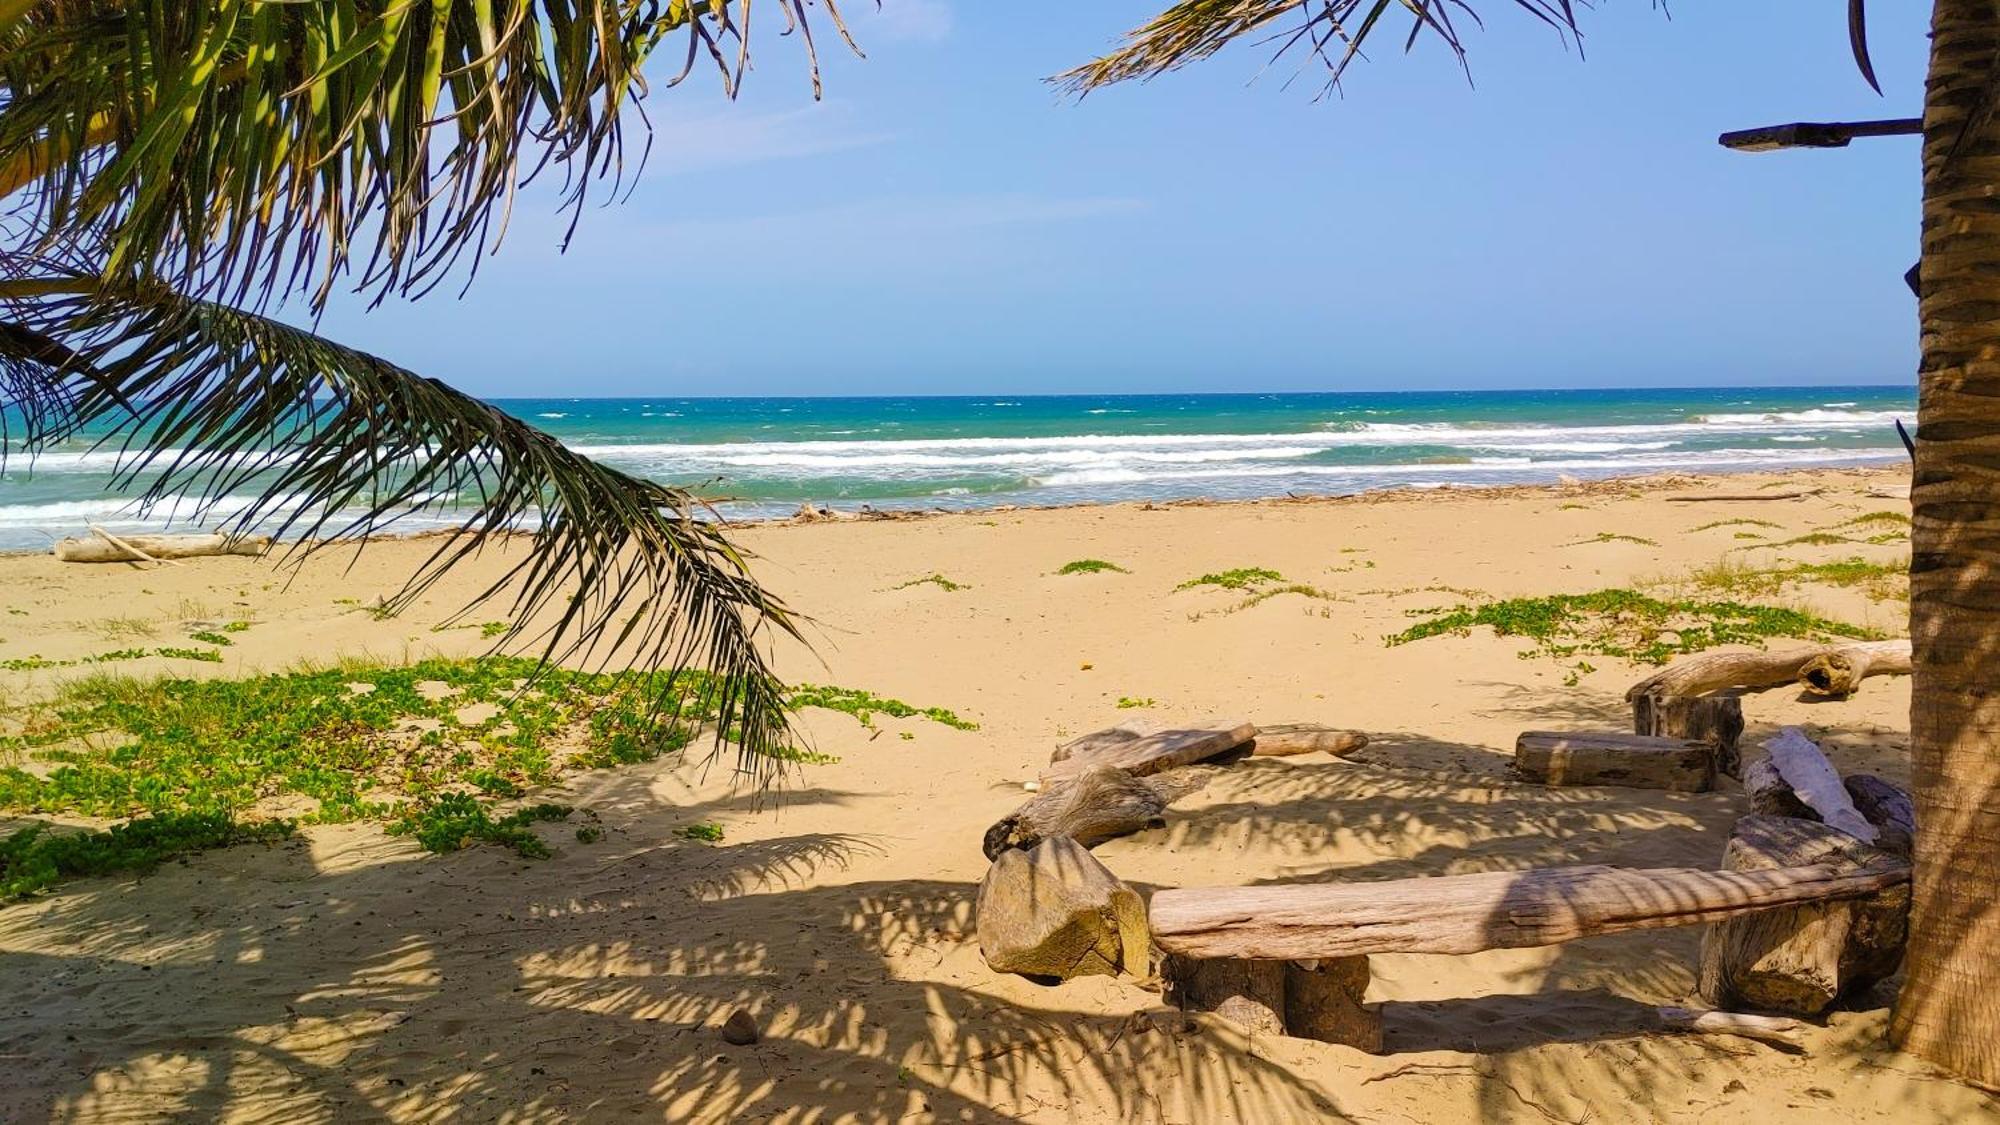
(1254, 954)
(1491, 910)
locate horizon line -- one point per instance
(1911, 386)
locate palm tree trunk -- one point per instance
(1949, 1009)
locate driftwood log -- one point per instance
(1839, 672)
(1492, 910)
(1709, 497)
(105, 548)
(1770, 1029)
(1761, 671)
(1614, 758)
(1150, 753)
(1805, 770)
(1053, 912)
(1801, 958)
(1888, 808)
(1109, 738)
(1284, 740)
(1101, 805)
(1304, 999)
(1769, 794)
(1714, 719)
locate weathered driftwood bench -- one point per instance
(1206, 933)
(1812, 901)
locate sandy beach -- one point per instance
(345, 975)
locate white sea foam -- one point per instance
(1714, 460)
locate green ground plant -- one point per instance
(1613, 537)
(938, 580)
(1628, 624)
(447, 822)
(1891, 519)
(1090, 566)
(1242, 578)
(362, 741)
(33, 663)
(1740, 522)
(1810, 539)
(1881, 580)
(35, 858)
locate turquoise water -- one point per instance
(766, 456)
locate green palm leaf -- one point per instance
(1331, 31)
(208, 401)
(238, 149)
(172, 167)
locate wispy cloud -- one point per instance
(729, 139)
(893, 237)
(911, 21)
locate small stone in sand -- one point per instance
(739, 1029)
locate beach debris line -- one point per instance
(1635, 761)
(104, 547)
(1714, 719)
(1705, 497)
(1834, 670)
(1053, 912)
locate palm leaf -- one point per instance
(208, 401)
(1857, 41)
(1193, 30)
(240, 149)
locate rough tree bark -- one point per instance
(1949, 1008)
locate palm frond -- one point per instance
(289, 432)
(1331, 31)
(236, 149)
(1857, 42)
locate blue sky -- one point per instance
(942, 222)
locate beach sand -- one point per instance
(347, 976)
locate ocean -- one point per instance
(766, 456)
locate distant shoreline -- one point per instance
(862, 513)
(766, 458)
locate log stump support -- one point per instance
(1053, 912)
(1799, 959)
(1314, 999)
(1714, 719)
